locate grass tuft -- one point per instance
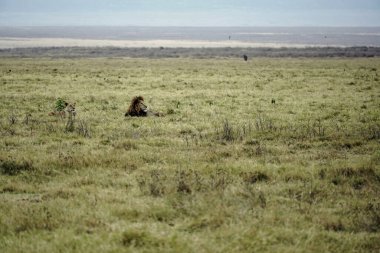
(12, 168)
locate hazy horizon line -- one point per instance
(200, 26)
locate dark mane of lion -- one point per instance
(135, 107)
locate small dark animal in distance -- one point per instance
(245, 57)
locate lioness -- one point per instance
(68, 107)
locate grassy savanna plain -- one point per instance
(225, 170)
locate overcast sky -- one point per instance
(190, 12)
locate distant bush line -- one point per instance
(161, 52)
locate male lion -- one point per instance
(137, 108)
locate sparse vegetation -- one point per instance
(225, 170)
(60, 103)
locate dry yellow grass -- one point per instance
(226, 170)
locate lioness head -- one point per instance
(70, 108)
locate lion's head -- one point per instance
(137, 107)
(70, 108)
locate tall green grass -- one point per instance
(225, 170)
